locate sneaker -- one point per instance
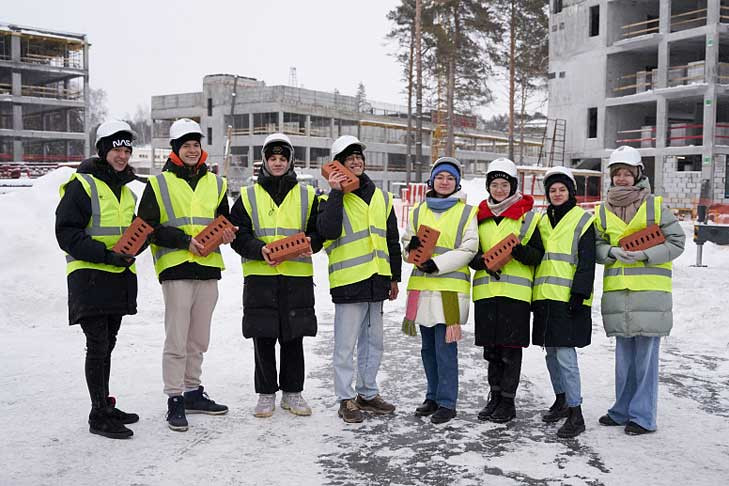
(295, 403)
(488, 410)
(176, 419)
(505, 411)
(375, 405)
(634, 429)
(442, 415)
(123, 417)
(607, 420)
(349, 412)
(429, 407)
(265, 406)
(558, 410)
(574, 425)
(197, 401)
(102, 422)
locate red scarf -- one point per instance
(515, 211)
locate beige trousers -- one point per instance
(189, 308)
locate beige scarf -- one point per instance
(624, 201)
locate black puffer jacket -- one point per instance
(553, 324)
(93, 293)
(376, 288)
(275, 306)
(171, 237)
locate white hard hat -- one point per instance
(281, 139)
(625, 155)
(341, 144)
(111, 127)
(184, 126)
(559, 170)
(502, 164)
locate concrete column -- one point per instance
(664, 28)
(307, 128)
(308, 153)
(661, 128)
(333, 134)
(87, 128)
(250, 124)
(711, 71)
(18, 150)
(17, 116)
(15, 47)
(16, 82)
(280, 122)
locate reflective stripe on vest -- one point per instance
(104, 210)
(289, 218)
(638, 276)
(516, 278)
(361, 249)
(554, 274)
(189, 210)
(452, 225)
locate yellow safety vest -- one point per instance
(361, 249)
(272, 222)
(452, 225)
(191, 211)
(554, 274)
(639, 275)
(109, 218)
(516, 278)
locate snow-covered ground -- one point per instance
(44, 402)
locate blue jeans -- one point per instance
(359, 325)
(440, 360)
(564, 373)
(636, 381)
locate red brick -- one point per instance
(643, 239)
(428, 237)
(349, 185)
(133, 238)
(211, 237)
(289, 248)
(500, 254)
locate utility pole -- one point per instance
(229, 134)
(409, 153)
(512, 55)
(418, 92)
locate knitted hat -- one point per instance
(115, 140)
(445, 167)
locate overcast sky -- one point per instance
(144, 48)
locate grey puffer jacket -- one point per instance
(627, 313)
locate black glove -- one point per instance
(518, 252)
(414, 244)
(428, 266)
(573, 306)
(496, 274)
(118, 259)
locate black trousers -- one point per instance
(291, 376)
(504, 369)
(100, 334)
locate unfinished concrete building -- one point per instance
(650, 74)
(313, 119)
(43, 98)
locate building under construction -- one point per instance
(650, 74)
(237, 113)
(43, 97)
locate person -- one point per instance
(96, 206)
(439, 289)
(278, 296)
(563, 295)
(502, 298)
(179, 203)
(362, 242)
(636, 300)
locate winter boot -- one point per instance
(558, 410)
(634, 429)
(491, 404)
(375, 405)
(197, 401)
(574, 425)
(102, 422)
(295, 403)
(349, 412)
(607, 420)
(442, 415)
(429, 407)
(505, 411)
(176, 419)
(123, 417)
(265, 406)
